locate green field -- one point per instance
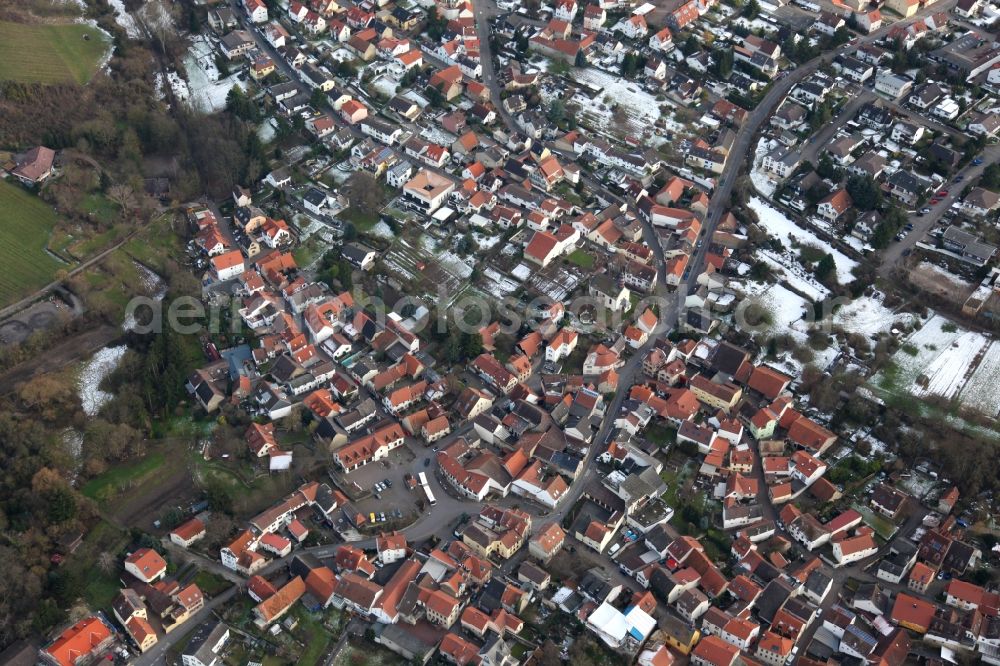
(57, 53)
(582, 259)
(106, 485)
(25, 225)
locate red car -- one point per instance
(943, 193)
(935, 201)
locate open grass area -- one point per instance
(25, 225)
(107, 484)
(661, 434)
(581, 259)
(100, 587)
(157, 242)
(884, 528)
(316, 638)
(211, 584)
(50, 53)
(363, 222)
(365, 654)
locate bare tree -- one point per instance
(106, 562)
(364, 193)
(124, 196)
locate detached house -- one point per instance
(662, 41)
(35, 166)
(834, 205)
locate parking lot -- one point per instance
(397, 503)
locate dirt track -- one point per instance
(73, 349)
(173, 486)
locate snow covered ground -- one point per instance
(386, 85)
(922, 347)
(782, 228)
(177, 84)
(786, 307)
(499, 284)
(126, 20)
(762, 181)
(982, 390)
(868, 316)
(456, 265)
(382, 230)
(946, 374)
(790, 316)
(92, 373)
(788, 267)
(521, 272)
(267, 130)
(208, 89)
(944, 274)
(945, 360)
(642, 109)
(487, 241)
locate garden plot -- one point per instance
(556, 283)
(208, 88)
(982, 390)
(779, 226)
(437, 135)
(942, 273)
(455, 264)
(640, 110)
(944, 360)
(418, 265)
(498, 284)
(487, 241)
(785, 307)
(947, 373)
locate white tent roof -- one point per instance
(609, 621)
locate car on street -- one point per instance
(427, 462)
(977, 161)
(925, 210)
(907, 252)
(942, 193)
(959, 178)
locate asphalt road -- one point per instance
(922, 224)
(157, 654)
(742, 147)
